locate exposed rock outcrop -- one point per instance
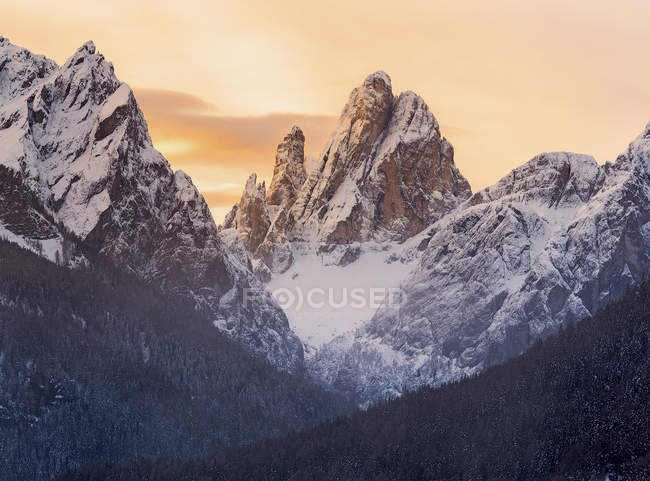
(385, 174)
(289, 172)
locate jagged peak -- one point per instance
(88, 55)
(374, 78)
(366, 112)
(253, 189)
(289, 171)
(376, 92)
(4, 41)
(251, 182)
(88, 47)
(294, 137)
(295, 133)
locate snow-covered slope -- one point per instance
(323, 301)
(76, 148)
(549, 244)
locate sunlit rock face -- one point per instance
(385, 174)
(289, 173)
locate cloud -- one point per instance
(223, 197)
(170, 101)
(219, 152)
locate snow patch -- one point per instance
(333, 311)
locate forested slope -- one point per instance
(575, 406)
(95, 366)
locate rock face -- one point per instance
(251, 215)
(385, 175)
(74, 139)
(289, 173)
(549, 244)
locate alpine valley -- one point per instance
(217, 324)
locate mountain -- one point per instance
(81, 179)
(480, 277)
(385, 174)
(356, 218)
(549, 244)
(97, 366)
(574, 407)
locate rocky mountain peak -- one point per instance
(78, 148)
(87, 76)
(385, 172)
(252, 218)
(289, 172)
(363, 118)
(253, 190)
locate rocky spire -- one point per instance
(289, 172)
(252, 218)
(386, 172)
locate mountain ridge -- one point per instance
(76, 137)
(549, 244)
(484, 274)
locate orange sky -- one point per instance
(221, 82)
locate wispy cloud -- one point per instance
(219, 152)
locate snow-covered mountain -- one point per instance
(80, 177)
(385, 174)
(479, 277)
(549, 244)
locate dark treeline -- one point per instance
(575, 406)
(95, 366)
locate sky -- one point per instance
(221, 83)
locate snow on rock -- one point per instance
(76, 161)
(549, 244)
(385, 175)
